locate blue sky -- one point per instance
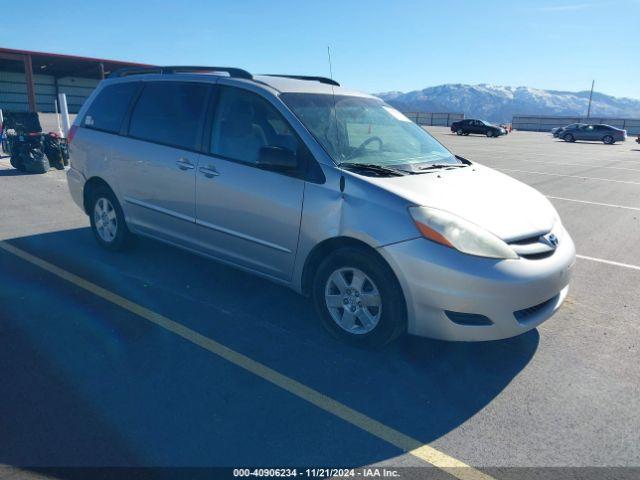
(376, 45)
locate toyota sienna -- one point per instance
(328, 191)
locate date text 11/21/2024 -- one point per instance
(316, 472)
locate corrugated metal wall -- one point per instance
(442, 119)
(546, 123)
(13, 91)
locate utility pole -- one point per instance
(590, 97)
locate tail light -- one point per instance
(71, 134)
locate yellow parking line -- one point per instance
(394, 437)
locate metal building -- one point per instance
(31, 81)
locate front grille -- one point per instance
(532, 248)
(526, 313)
(467, 318)
(538, 256)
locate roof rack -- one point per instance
(329, 81)
(233, 72)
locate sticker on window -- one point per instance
(396, 114)
(88, 120)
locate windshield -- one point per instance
(367, 131)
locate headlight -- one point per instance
(455, 232)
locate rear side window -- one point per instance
(169, 113)
(108, 109)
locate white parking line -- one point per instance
(582, 165)
(594, 203)
(609, 262)
(570, 176)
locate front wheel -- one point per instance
(608, 139)
(359, 299)
(569, 138)
(490, 133)
(459, 131)
(107, 220)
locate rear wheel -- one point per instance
(569, 138)
(358, 298)
(608, 139)
(107, 220)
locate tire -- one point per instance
(569, 138)
(107, 220)
(608, 140)
(459, 131)
(490, 133)
(386, 317)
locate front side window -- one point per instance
(244, 123)
(108, 109)
(366, 130)
(169, 113)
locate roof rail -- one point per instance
(329, 81)
(233, 72)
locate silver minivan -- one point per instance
(328, 191)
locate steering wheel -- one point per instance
(364, 144)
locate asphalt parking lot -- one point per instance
(90, 380)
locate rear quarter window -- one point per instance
(108, 109)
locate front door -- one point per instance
(246, 214)
(586, 133)
(157, 161)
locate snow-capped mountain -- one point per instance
(499, 104)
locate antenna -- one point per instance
(329, 56)
(333, 95)
(590, 97)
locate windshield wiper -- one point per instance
(372, 167)
(437, 166)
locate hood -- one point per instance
(501, 204)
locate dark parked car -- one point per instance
(600, 132)
(557, 132)
(469, 125)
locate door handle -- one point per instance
(184, 164)
(209, 172)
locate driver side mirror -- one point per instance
(277, 158)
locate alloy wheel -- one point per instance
(106, 221)
(353, 300)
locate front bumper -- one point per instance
(436, 279)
